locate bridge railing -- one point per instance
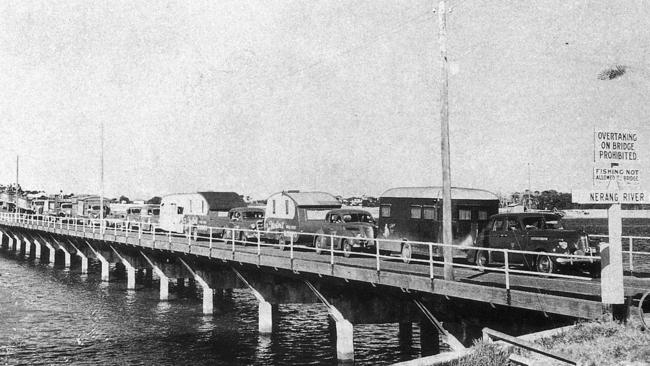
(378, 249)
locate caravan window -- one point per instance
(179, 210)
(430, 213)
(482, 215)
(464, 214)
(385, 211)
(286, 207)
(416, 212)
(316, 214)
(273, 206)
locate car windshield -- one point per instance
(533, 223)
(358, 217)
(253, 215)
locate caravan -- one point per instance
(198, 211)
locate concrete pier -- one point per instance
(164, 280)
(130, 270)
(103, 261)
(82, 256)
(208, 292)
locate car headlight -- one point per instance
(563, 245)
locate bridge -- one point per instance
(362, 288)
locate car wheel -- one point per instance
(282, 243)
(318, 244)
(482, 259)
(347, 248)
(195, 234)
(406, 252)
(544, 264)
(242, 238)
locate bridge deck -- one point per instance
(566, 296)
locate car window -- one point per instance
(533, 223)
(513, 224)
(498, 225)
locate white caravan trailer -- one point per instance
(201, 210)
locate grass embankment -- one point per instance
(588, 343)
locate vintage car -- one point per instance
(243, 220)
(146, 215)
(535, 232)
(357, 224)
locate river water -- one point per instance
(51, 316)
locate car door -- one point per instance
(498, 238)
(514, 240)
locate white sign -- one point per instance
(609, 197)
(603, 176)
(616, 146)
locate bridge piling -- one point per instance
(37, 250)
(103, 261)
(18, 244)
(130, 270)
(28, 247)
(66, 253)
(164, 280)
(208, 292)
(50, 252)
(82, 256)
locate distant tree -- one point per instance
(154, 200)
(124, 199)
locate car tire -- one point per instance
(482, 259)
(544, 264)
(242, 238)
(318, 244)
(406, 252)
(282, 243)
(347, 248)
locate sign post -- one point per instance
(615, 180)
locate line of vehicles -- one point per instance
(407, 218)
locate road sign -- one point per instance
(607, 197)
(616, 146)
(604, 176)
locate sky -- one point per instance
(338, 96)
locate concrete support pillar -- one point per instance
(37, 249)
(10, 242)
(429, 339)
(164, 280)
(66, 256)
(208, 292)
(265, 319)
(130, 271)
(2, 237)
(51, 253)
(265, 323)
(164, 287)
(18, 244)
(28, 247)
(208, 300)
(103, 261)
(84, 259)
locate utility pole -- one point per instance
(16, 193)
(101, 196)
(448, 252)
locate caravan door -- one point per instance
(171, 217)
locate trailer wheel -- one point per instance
(482, 259)
(318, 244)
(406, 252)
(282, 242)
(347, 248)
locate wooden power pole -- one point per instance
(444, 124)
